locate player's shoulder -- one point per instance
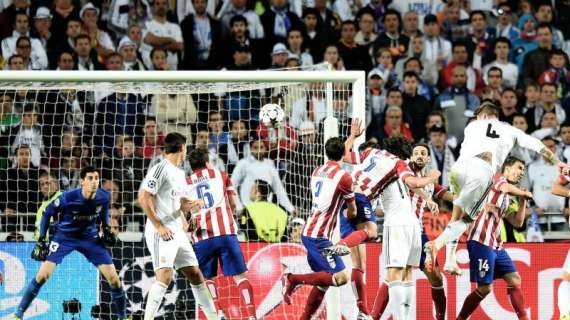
(103, 195)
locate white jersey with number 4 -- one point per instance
(495, 137)
(167, 183)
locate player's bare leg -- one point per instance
(117, 292)
(46, 270)
(200, 291)
(564, 297)
(246, 293)
(290, 282)
(358, 279)
(437, 291)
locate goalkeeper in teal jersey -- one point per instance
(77, 213)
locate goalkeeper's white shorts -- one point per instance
(566, 267)
(176, 253)
(470, 179)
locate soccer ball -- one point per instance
(271, 114)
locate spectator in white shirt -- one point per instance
(100, 40)
(29, 133)
(540, 177)
(128, 50)
(33, 60)
(504, 26)
(159, 33)
(295, 42)
(239, 7)
(437, 50)
(15, 62)
(510, 70)
(258, 167)
(22, 29)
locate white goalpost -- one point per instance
(115, 121)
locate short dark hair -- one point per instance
(436, 128)
(150, 118)
(79, 37)
(86, 170)
(393, 12)
(458, 43)
(23, 38)
(174, 142)
(548, 84)
(398, 146)
(507, 89)
(477, 12)
(549, 137)
(494, 68)
(409, 74)
(349, 22)
(423, 145)
(198, 158)
(564, 125)
(238, 18)
(48, 174)
(511, 160)
(502, 40)
(334, 148)
(544, 25)
(368, 144)
(414, 59)
(14, 56)
(393, 89)
(155, 50)
(263, 188)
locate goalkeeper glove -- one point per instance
(109, 238)
(40, 251)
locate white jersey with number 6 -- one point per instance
(495, 137)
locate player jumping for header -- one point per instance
(487, 144)
(80, 213)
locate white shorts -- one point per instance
(566, 267)
(471, 180)
(401, 246)
(173, 254)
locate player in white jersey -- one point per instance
(486, 145)
(560, 188)
(214, 228)
(331, 186)
(161, 198)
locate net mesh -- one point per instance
(50, 130)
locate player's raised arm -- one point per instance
(356, 131)
(529, 142)
(420, 182)
(515, 191)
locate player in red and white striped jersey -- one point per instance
(488, 260)
(331, 186)
(560, 188)
(214, 230)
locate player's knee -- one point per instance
(514, 280)
(42, 277)
(114, 281)
(435, 278)
(341, 278)
(240, 277)
(484, 289)
(164, 275)
(372, 231)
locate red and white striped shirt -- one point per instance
(486, 229)
(431, 190)
(331, 186)
(379, 168)
(217, 217)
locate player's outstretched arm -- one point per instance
(515, 191)
(559, 188)
(420, 182)
(356, 131)
(146, 200)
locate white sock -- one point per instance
(453, 231)
(397, 293)
(204, 299)
(450, 252)
(154, 299)
(409, 287)
(564, 298)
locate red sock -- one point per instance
(470, 304)
(213, 291)
(380, 302)
(517, 301)
(313, 302)
(355, 238)
(323, 279)
(359, 286)
(246, 292)
(439, 301)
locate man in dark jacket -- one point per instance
(354, 56)
(537, 60)
(416, 107)
(276, 21)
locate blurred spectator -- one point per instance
(416, 107)
(153, 139)
(35, 49)
(15, 62)
(436, 48)
(33, 59)
(159, 60)
(86, 56)
(392, 39)
(455, 22)
(557, 73)
(239, 7)
(135, 34)
(174, 113)
(494, 85)
(395, 125)
(519, 122)
(8, 14)
(128, 50)
(377, 8)
(216, 126)
(100, 40)
(502, 47)
(328, 20)
(114, 61)
(28, 133)
(376, 127)
(8, 120)
(385, 67)
(49, 188)
(128, 170)
(532, 96)
(115, 225)
(412, 25)
(375, 97)
(548, 102)
(366, 35)
(415, 65)
(526, 43)
(295, 44)
(504, 26)
(473, 80)
(545, 15)
(332, 57)
(480, 41)
(69, 171)
(239, 40)
(66, 61)
(202, 35)
(277, 20)
(261, 219)
(316, 39)
(65, 42)
(280, 141)
(564, 146)
(537, 60)
(20, 190)
(238, 146)
(64, 11)
(355, 56)
(258, 167)
(122, 14)
(548, 126)
(159, 33)
(508, 105)
(295, 230)
(442, 157)
(420, 9)
(540, 177)
(457, 102)
(113, 188)
(203, 141)
(42, 26)
(65, 145)
(279, 56)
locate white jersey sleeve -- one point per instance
(526, 141)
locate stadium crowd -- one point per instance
(429, 64)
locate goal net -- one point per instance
(53, 124)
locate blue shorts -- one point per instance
(423, 256)
(222, 249)
(93, 249)
(364, 213)
(317, 260)
(487, 264)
